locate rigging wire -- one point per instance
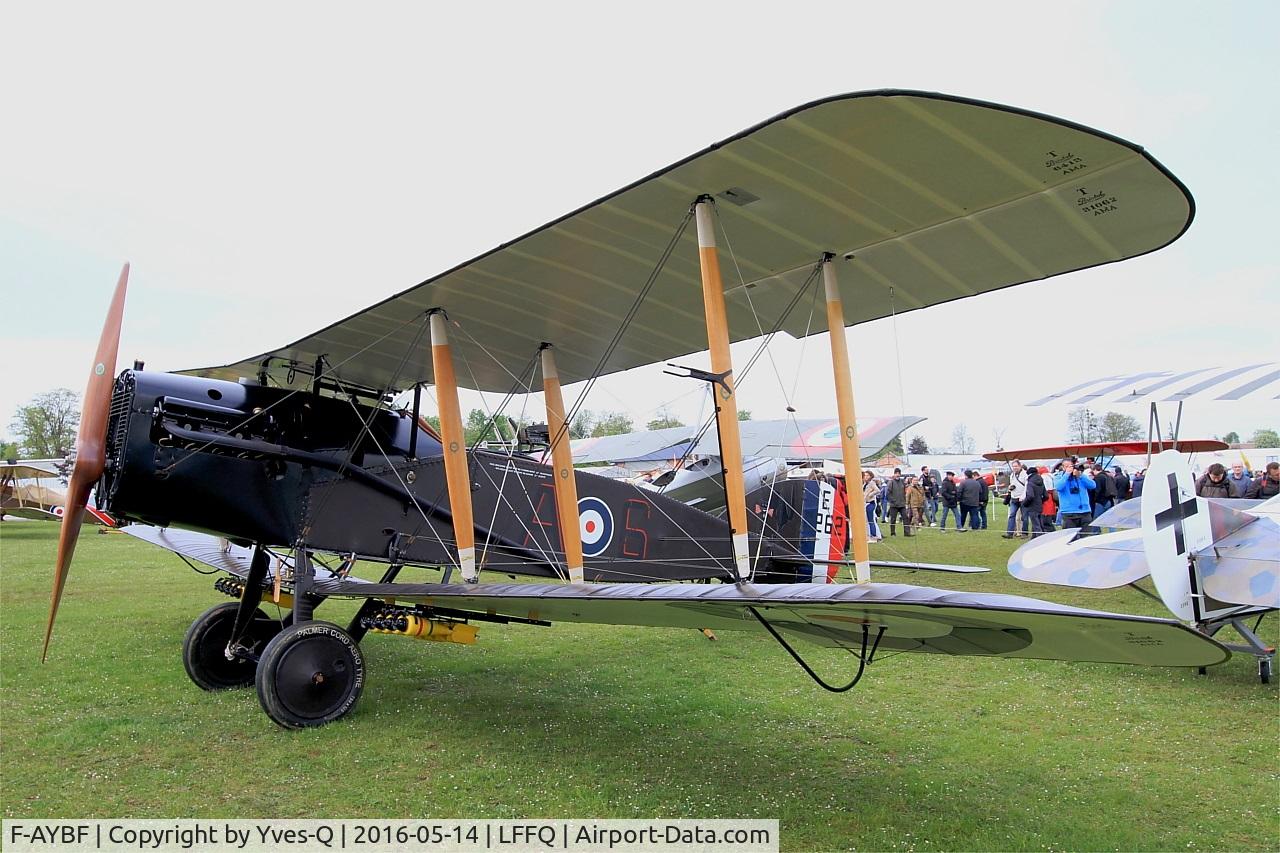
(902, 405)
(626, 322)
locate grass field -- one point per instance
(591, 721)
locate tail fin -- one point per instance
(1175, 525)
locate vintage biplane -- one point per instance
(32, 489)
(1105, 452)
(1214, 562)
(859, 205)
(29, 488)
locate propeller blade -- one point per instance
(90, 445)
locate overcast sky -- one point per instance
(270, 168)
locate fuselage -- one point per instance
(282, 467)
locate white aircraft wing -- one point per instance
(656, 444)
(808, 438)
(1066, 558)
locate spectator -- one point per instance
(970, 497)
(1033, 502)
(884, 500)
(984, 498)
(897, 491)
(871, 494)
(1122, 484)
(950, 495)
(1135, 488)
(1268, 485)
(915, 506)
(1049, 509)
(1239, 480)
(1017, 493)
(1104, 496)
(1213, 483)
(929, 482)
(1072, 487)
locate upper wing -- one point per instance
(1116, 448)
(925, 198)
(1238, 382)
(30, 469)
(916, 619)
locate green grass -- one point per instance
(592, 721)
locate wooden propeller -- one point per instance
(90, 445)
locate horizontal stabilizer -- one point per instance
(1129, 514)
(890, 564)
(1244, 566)
(917, 619)
(1066, 558)
(1124, 515)
(929, 567)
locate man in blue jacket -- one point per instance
(1073, 486)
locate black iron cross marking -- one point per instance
(1176, 514)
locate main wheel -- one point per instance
(1264, 670)
(309, 675)
(204, 648)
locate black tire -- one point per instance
(204, 647)
(1264, 670)
(309, 675)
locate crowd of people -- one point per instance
(1215, 482)
(925, 500)
(1070, 495)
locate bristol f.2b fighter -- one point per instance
(846, 209)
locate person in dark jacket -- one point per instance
(970, 497)
(1135, 488)
(1213, 483)
(1268, 485)
(1033, 500)
(929, 482)
(950, 500)
(984, 498)
(1104, 494)
(1122, 484)
(898, 503)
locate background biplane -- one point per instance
(842, 201)
(30, 488)
(33, 489)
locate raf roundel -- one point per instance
(595, 524)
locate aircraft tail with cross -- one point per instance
(1212, 561)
